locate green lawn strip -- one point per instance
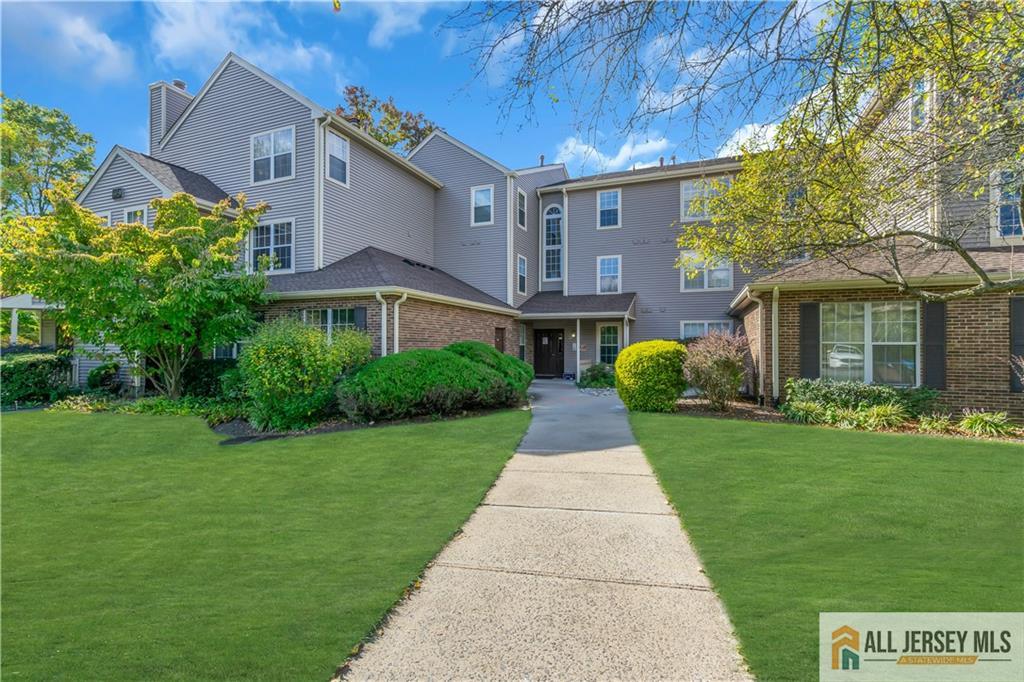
(792, 520)
(136, 547)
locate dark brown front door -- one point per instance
(549, 352)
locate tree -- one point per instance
(40, 147)
(161, 294)
(389, 125)
(836, 178)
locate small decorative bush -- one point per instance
(804, 411)
(516, 372)
(844, 417)
(716, 365)
(289, 371)
(649, 375)
(422, 382)
(105, 377)
(201, 377)
(855, 394)
(213, 410)
(880, 417)
(936, 423)
(600, 375)
(978, 423)
(33, 377)
(85, 403)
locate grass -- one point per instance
(136, 547)
(791, 520)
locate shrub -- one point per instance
(853, 394)
(85, 402)
(936, 423)
(844, 417)
(289, 371)
(978, 423)
(516, 372)
(888, 416)
(105, 377)
(201, 377)
(33, 377)
(600, 375)
(649, 375)
(716, 364)
(231, 385)
(213, 410)
(422, 382)
(804, 411)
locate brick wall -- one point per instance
(977, 345)
(279, 309)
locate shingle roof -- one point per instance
(709, 164)
(553, 302)
(178, 179)
(372, 268)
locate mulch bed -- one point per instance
(747, 410)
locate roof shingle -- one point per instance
(554, 303)
(178, 179)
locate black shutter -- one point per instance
(933, 338)
(1016, 338)
(361, 317)
(810, 340)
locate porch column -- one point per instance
(14, 327)
(625, 331)
(579, 340)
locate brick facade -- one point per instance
(977, 345)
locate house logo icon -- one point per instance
(845, 649)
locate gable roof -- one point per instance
(167, 177)
(675, 170)
(371, 269)
(464, 147)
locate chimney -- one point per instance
(661, 160)
(673, 159)
(180, 84)
(167, 101)
(542, 159)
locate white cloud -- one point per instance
(582, 156)
(754, 136)
(394, 20)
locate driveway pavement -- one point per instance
(575, 567)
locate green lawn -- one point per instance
(136, 547)
(792, 520)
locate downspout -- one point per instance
(510, 273)
(760, 346)
(383, 323)
(565, 243)
(540, 241)
(394, 308)
(775, 345)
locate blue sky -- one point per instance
(95, 60)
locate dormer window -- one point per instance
(337, 158)
(273, 155)
(482, 205)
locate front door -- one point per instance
(549, 352)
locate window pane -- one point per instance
(608, 344)
(261, 146)
(720, 278)
(692, 330)
(261, 236)
(609, 284)
(317, 318)
(553, 263)
(1009, 220)
(282, 165)
(693, 279)
(842, 341)
(521, 205)
(338, 169)
(894, 364)
(343, 318)
(261, 170)
(283, 141)
(721, 327)
(609, 216)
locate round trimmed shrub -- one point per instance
(422, 382)
(516, 372)
(649, 375)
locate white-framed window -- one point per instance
(272, 156)
(481, 205)
(609, 209)
(330, 320)
(521, 274)
(552, 244)
(225, 351)
(693, 195)
(522, 341)
(692, 329)
(105, 219)
(609, 341)
(521, 208)
(918, 104)
(273, 241)
(337, 158)
(705, 277)
(609, 274)
(138, 214)
(871, 342)
(1006, 218)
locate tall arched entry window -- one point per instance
(553, 243)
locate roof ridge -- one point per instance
(384, 273)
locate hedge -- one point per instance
(515, 371)
(856, 394)
(649, 375)
(33, 377)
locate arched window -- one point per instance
(553, 243)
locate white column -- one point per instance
(14, 327)
(579, 342)
(625, 331)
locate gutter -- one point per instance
(817, 285)
(383, 323)
(570, 316)
(394, 306)
(775, 345)
(393, 291)
(510, 264)
(648, 177)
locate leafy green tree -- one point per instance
(389, 125)
(160, 294)
(39, 147)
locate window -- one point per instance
(870, 342)
(692, 329)
(337, 158)
(273, 241)
(330, 320)
(609, 275)
(482, 200)
(553, 243)
(227, 351)
(521, 208)
(608, 209)
(273, 155)
(918, 103)
(521, 274)
(703, 277)
(522, 341)
(1006, 188)
(135, 215)
(693, 195)
(104, 218)
(607, 343)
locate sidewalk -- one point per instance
(574, 568)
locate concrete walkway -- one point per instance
(574, 568)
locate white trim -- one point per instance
(541, 169)
(995, 200)
(544, 248)
(145, 214)
(618, 208)
(510, 273)
(374, 144)
(108, 215)
(395, 291)
(868, 341)
(270, 223)
(472, 213)
(565, 243)
(318, 191)
(572, 316)
(464, 147)
(696, 171)
(617, 257)
(682, 323)
(117, 151)
(526, 209)
(520, 258)
(252, 160)
(394, 309)
(597, 338)
(328, 155)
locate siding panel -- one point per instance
(138, 191)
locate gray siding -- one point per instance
(383, 206)
(476, 255)
(527, 242)
(138, 191)
(176, 102)
(214, 141)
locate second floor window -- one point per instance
(1006, 192)
(135, 215)
(482, 205)
(273, 241)
(608, 209)
(337, 158)
(553, 243)
(705, 277)
(521, 209)
(918, 103)
(697, 328)
(521, 274)
(609, 274)
(693, 196)
(273, 155)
